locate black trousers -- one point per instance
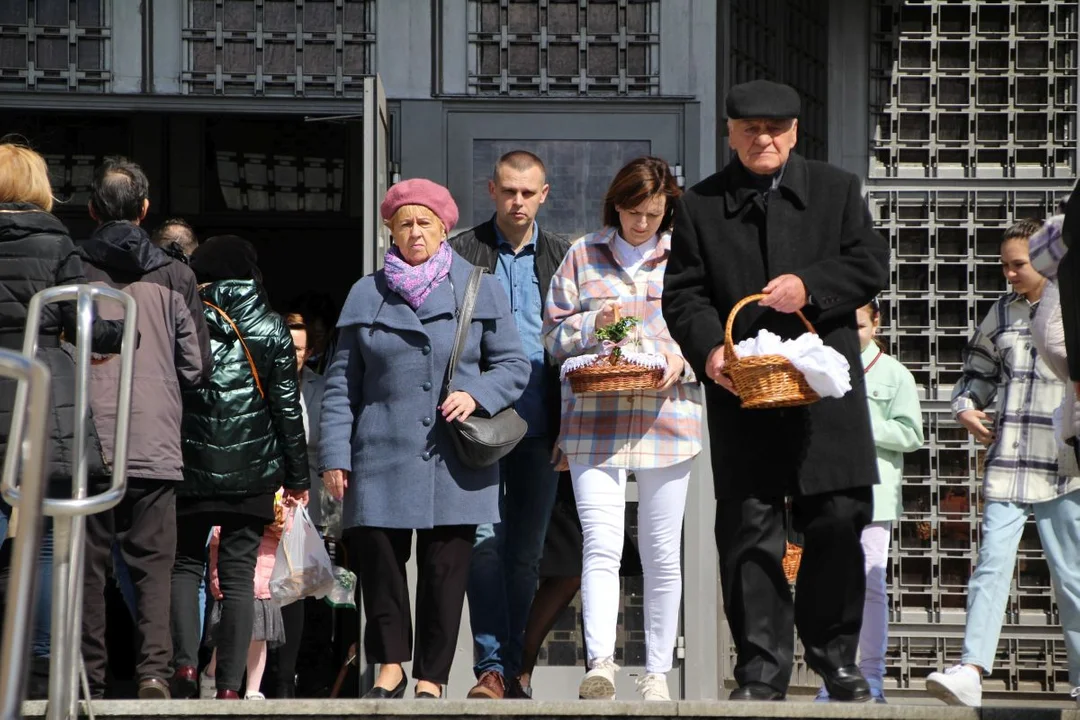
(238, 550)
(750, 537)
(378, 556)
(144, 526)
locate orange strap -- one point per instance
(251, 360)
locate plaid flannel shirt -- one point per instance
(636, 429)
(1000, 362)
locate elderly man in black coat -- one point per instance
(798, 231)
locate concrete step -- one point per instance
(524, 709)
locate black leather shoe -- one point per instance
(378, 693)
(424, 695)
(756, 691)
(847, 684)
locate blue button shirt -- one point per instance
(517, 275)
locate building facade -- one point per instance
(285, 120)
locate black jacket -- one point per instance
(36, 253)
(1069, 284)
(480, 246)
(238, 441)
(727, 244)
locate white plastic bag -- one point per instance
(302, 567)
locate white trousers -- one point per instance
(874, 637)
(601, 503)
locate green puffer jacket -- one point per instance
(237, 443)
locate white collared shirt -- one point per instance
(630, 256)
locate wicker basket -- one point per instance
(765, 381)
(603, 376)
(792, 558)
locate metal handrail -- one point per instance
(69, 526)
(34, 380)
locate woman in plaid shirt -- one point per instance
(654, 434)
(1021, 474)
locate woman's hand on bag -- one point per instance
(335, 482)
(675, 365)
(458, 406)
(292, 498)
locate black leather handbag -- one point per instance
(479, 441)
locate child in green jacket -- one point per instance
(896, 420)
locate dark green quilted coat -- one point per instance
(237, 443)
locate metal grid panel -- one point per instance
(564, 47)
(978, 101)
(786, 41)
(308, 48)
(975, 90)
(55, 45)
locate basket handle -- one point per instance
(729, 346)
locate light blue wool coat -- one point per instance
(380, 417)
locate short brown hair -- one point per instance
(1022, 230)
(520, 160)
(295, 321)
(24, 176)
(638, 181)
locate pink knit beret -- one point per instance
(421, 191)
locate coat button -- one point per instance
(875, 393)
(426, 350)
(427, 422)
(426, 455)
(426, 385)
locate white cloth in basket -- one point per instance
(825, 369)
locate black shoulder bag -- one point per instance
(480, 441)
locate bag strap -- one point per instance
(251, 360)
(468, 304)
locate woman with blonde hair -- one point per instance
(36, 253)
(386, 444)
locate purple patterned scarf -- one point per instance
(415, 282)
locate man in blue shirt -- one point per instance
(506, 555)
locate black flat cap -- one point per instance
(762, 99)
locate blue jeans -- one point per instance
(42, 636)
(506, 557)
(1058, 522)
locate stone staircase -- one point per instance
(523, 709)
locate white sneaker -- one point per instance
(254, 696)
(599, 682)
(1075, 694)
(653, 687)
(207, 686)
(958, 685)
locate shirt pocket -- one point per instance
(880, 393)
(594, 294)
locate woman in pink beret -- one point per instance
(386, 446)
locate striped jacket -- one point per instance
(637, 429)
(1000, 363)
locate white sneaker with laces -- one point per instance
(653, 687)
(599, 682)
(207, 687)
(254, 696)
(958, 685)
